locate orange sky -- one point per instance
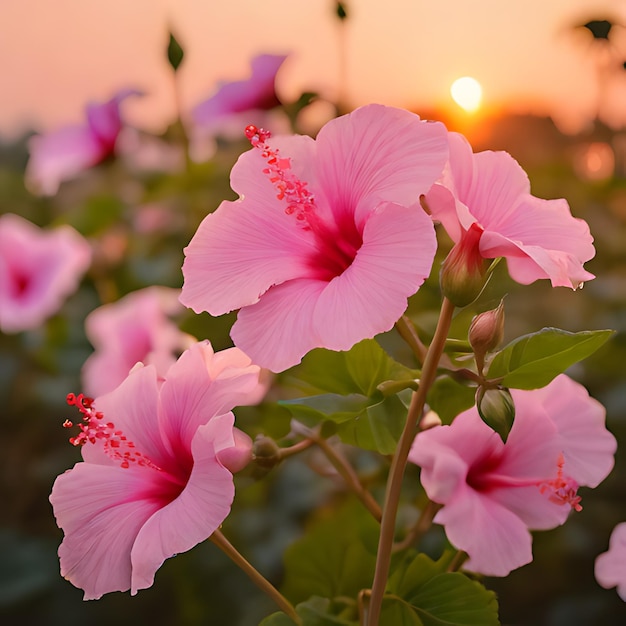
(57, 54)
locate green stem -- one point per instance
(255, 576)
(398, 464)
(421, 527)
(459, 558)
(407, 331)
(296, 448)
(350, 476)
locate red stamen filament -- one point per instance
(300, 201)
(93, 429)
(562, 489)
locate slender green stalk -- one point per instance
(398, 464)
(255, 576)
(284, 453)
(421, 527)
(407, 331)
(350, 476)
(459, 558)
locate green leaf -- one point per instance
(532, 361)
(314, 612)
(448, 398)
(397, 612)
(332, 406)
(454, 600)
(358, 370)
(377, 428)
(332, 559)
(440, 598)
(175, 53)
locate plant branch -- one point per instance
(398, 464)
(255, 576)
(420, 528)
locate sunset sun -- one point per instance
(467, 93)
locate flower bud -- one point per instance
(235, 458)
(462, 276)
(497, 409)
(266, 452)
(486, 332)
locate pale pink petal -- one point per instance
(587, 445)
(370, 296)
(610, 567)
(60, 156)
(285, 311)
(196, 513)
(134, 329)
(100, 509)
(133, 408)
(238, 456)
(245, 247)
(190, 397)
(376, 154)
(39, 270)
(495, 539)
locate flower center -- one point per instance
(560, 490)
(93, 429)
(337, 247)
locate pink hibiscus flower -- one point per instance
(539, 238)
(494, 493)
(61, 155)
(611, 566)
(156, 477)
(256, 93)
(327, 240)
(135, 328)
(38, 270)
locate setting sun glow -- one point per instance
(467, 93)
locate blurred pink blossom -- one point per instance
(156, 477)
(539, 238)
(327, 240)
(135, 328)
(257, 93)
(494, 493)
(39, 269)
(61, 155)
(610, 566)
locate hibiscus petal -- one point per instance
(588, 447)
(610, 567)
(191, 396)
(395, 258)
(378, 153)
(100, 510)
(59, 156)
(278, 331)
(245, 247)
(197, 512)
(133, 408)
(495, 539)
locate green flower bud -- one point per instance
(497, 409)
(266, 452)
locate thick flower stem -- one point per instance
(398, 464)
(255, 576)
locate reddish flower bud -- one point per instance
(236, 458)
(463, 272)
(486, 332)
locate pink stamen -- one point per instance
(300, 201)
(562, 489)
(93, 428)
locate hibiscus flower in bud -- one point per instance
(539, 238)
(611, 566)
(156, 476)
(494, 493)
(61, 155)
(256, 94)
(135, 328)
(38, 270)
(327, 240)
